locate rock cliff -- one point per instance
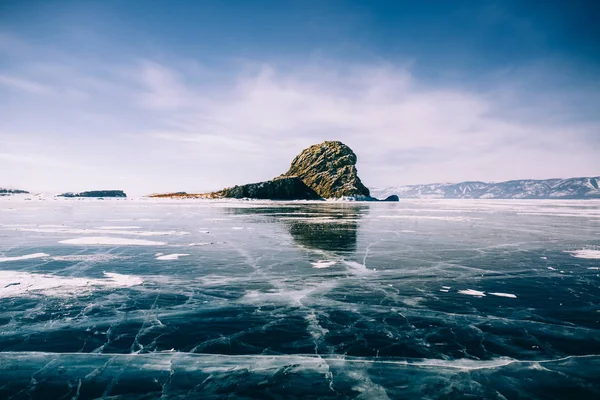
(322, 171)
(284, 188)
(329, 168)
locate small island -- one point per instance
(322, 171)
(9, 192)
(96, 193)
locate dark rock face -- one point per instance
(329, 168)
(391, 198)
(96, 193)
(288, 188)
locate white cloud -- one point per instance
(26, 85)
(379, 111)
(171, 128)
(41, 160)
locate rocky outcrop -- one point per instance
(285, 188)
(329, 168)
(96, 193)
(322, 171)
(392, 197)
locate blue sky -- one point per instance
(198, 95)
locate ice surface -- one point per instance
(102, 231)
(111, 227)
(111, 241)
(430, 217)
(88, 257)
(415, 299)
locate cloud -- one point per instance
(40, 160)
(26, 85)
(168, 126)
(392, 120)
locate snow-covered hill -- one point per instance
(572, 188)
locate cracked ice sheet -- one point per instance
(257, 295)
(177, 374)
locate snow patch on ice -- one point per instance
(18, 283)
(358, 268)
(25, 257)
(323, 264)
(471, 292)
(589, 254)
(509, 295)
(167, 257)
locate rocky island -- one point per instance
(9, 192)
(96, 193)
(322, 171)
(329, 168)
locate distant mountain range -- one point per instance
(572, 188)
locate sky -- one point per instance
(195, 96)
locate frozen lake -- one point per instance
(203, 299)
